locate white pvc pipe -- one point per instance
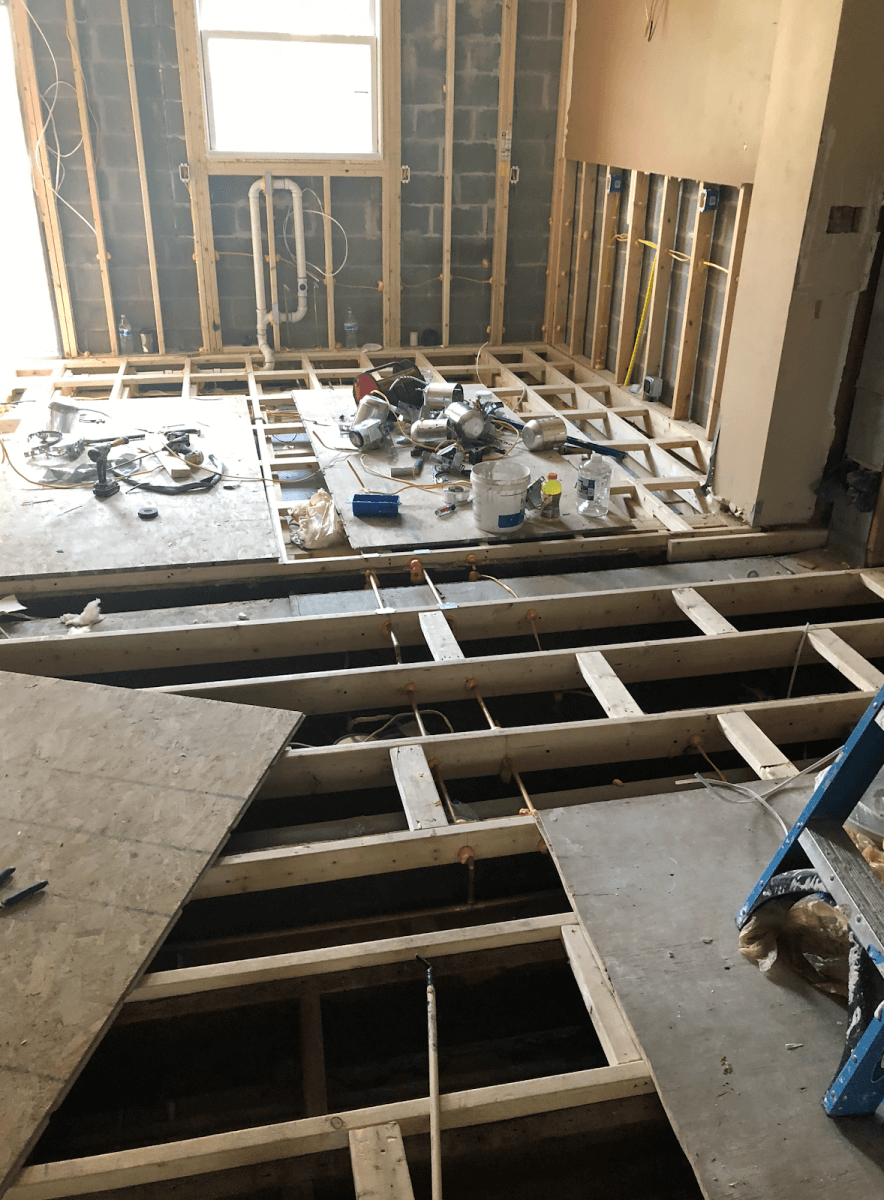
(263, 317)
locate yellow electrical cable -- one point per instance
(641, 323)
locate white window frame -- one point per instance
(377, 84)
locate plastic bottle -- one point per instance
(124, 330)
(550, 497)
(351, 331)
(594, 486)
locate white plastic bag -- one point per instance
(314, 523)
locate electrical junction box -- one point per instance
(653, 387)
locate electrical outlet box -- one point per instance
(653, 387)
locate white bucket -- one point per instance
(500, 489)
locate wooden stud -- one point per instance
(606, 685)
(142, 175)
(380, 1169)
(730, 295)
(392, 175)
(629, 300)
(271, 259)
(329, 263)
(653, 357)
(358, 956)
(762, 755)
(437, 633)
(707, 619)
(563, 191)
(845, 659)
(417, 788)
(604, 285)
(448, 169)
(41, 173)
(587, 181)
(91, 177)
(682, 388)
(196, 141)
(506, 92)
(598, 995)
(313, 1082)
(290, 1139)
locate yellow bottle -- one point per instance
(550, 497)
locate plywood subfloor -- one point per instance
(348, 472)
(120, 799)
(657, 882)
(50, 531)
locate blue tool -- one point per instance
(839, 874)
(375, 506)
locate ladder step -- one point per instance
(850, 880)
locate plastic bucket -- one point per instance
(500, 489)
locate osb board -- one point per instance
(657, 882)
(53, 531)
(348, 472)
(120, 799)
(690, 102)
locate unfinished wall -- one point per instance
(355, 202)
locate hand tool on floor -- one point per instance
(435, 1107)
(818, 858)
(16, 897)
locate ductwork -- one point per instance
(263, 317)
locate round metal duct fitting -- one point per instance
(367, 434)
(465, 421)
(544, 433)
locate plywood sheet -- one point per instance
(690, 102)
(70, 532)
(348, 472)
(657, 882)
(120, 799)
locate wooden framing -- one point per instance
(89, 157)
(392, 176)
(653, 357)
(635, 222)
(584, 220)
(329, 263)
(564, 184)
(508, 27)
(142, 175)
(735, 258)
(607, 254)
(682, 389)
(29, 89)
(448, 168)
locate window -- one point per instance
(298, 78)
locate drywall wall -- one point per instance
(822, 146)
(688, 102)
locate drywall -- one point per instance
(690, 102)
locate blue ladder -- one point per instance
(839, 872)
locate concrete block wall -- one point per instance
(356, 202)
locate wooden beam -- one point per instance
(845, 659)
(271, 259)
(438, 636)
(635, 229)
(605, 276)
(682, 388)
(735, 258)
(606, 685)
(142, 175)
(584, 221)
(314, 1089)
(329, 263)
(91, 177)
(392, 177)
(448, 168)
(653, 358)
(380, 1169)
(563, 190)
(874, 581)
(41, 172)
(417, 789)
(598, 995)
(700, 611)
(354, 858)
(506, 91)
(765, 759)
(196, 141)
(187, 981)
(569, 744)
(290, 1139)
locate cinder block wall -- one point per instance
(356, 203)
